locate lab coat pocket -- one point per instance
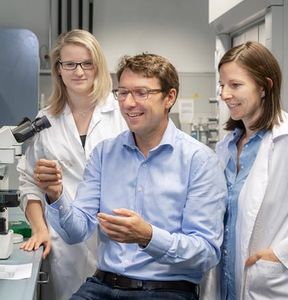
(267, 280)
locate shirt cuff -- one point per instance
(160, 242)
(61, 204)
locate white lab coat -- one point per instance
(69, 265)
(262, 223)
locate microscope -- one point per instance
(11, 142)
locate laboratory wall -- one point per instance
(175, 29)
(178, 30)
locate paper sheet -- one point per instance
(14, 272)
(186, 110)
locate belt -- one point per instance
(122, 282)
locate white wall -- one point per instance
(219, 7)
(178, 30)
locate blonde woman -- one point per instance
(82, 113)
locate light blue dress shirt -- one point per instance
(227, 152)
(179, 189)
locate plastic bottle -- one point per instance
(195, 131)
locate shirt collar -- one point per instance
(168, 138)
(237, 133)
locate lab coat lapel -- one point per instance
(250, 200)
(71, 125)
(101, 108)
(96, 118)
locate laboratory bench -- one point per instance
(22, 289)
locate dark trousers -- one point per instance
(94, 289)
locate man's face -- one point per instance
(148, 118)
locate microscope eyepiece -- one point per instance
(27, 129)
(40, 123)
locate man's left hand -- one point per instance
(126, 226)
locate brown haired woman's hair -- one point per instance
(102, 82)
(263, 68)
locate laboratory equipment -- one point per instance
(213, 122)
(195, 131)
(19, 76)
(11, 141)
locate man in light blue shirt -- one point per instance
(156, 195)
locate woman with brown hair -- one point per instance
(255, 158)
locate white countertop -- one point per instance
(22, 289)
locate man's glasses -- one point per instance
(71, 65)
(139, 94)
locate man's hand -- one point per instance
(48, 177)
(266, 254)
(126, 227)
